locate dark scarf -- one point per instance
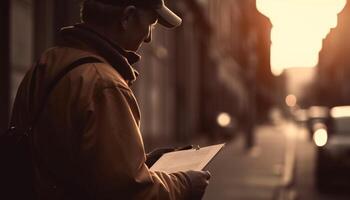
(120, 59)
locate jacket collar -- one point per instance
(119, 58)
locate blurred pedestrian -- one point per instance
(87, 142)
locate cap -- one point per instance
(166, 17)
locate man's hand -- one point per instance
(199, 181)
(154, 155)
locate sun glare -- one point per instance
(298, 29)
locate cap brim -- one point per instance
(168, 18)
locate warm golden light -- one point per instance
(298, 29)
(291, 100)
(340, 111)
(320, 137)
(223, 119)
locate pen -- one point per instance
(184, 148)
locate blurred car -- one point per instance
(317, 116)
(333, 150)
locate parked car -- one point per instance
(317, 116)
(333, 150)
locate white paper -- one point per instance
(185, 160)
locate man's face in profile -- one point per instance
(140, 28)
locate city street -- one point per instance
(254, 175)
(304, 176)
(280, 167)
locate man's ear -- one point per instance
(128, 14)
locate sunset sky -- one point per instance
(298, 29)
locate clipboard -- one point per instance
(193, 159)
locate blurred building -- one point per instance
(170, 82)
(16, 50)
(242, 43)
(218, 61)
(4, 64)
(257, 29)
(334, 64)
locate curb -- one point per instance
(285, 190)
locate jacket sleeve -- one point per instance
(112, 147)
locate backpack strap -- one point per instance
(56, 80)
(49, 90)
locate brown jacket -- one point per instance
(88, 143)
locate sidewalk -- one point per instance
(256, 175)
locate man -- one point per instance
(87, 142)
